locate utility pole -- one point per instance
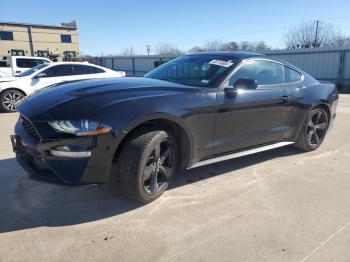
(30, 36)
(148, 49)
(316, 33)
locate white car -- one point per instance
(15, 65)
(12, 89)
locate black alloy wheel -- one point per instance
(317, 128)
(146, 164)
(314, 130)
(159, 167)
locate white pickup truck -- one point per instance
(15, 65)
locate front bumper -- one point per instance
(34, 156)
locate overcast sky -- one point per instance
(110, 26)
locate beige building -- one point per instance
(58, 43)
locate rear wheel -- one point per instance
(146, 165)
(9, 98)
(314, 130)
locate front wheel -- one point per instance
(146, 165)
(9, 98)
(314, 130)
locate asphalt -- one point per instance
(280, 205)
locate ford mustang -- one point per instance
(191, 111)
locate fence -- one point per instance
(133, 66)
(323, 64)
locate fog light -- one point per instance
(70, 151)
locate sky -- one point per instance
(107, 26)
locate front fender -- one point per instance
(134, 124)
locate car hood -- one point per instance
(82, 99)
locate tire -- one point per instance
(9, 98)
(313, 131)
(145, 165)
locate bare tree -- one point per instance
(196, 49)
(213, 45)
(128, 51)
(260, 46)
(148, 49)
(245, 46)
(311, 34)
(230, 46)
(168, 49)
(341, 41)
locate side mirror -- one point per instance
(230, 92)
(244, 83)
(40, 75)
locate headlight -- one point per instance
(80, 127)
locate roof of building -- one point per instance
(62, 26)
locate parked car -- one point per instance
(15, 65)
(12, 89)
(192, 111)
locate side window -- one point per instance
(3, 63)
(85, 70)
(292, 75)
(263, 72)
(40, 61)
(25, 63)
(59, 70)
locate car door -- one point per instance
(52, 75)
(252, 117)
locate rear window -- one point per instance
(29, 63)
(41, 61)
(26, 63)
(85, 70)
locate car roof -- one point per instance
(240, 55)
(29, 57)
(73, 63)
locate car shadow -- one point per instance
(28, 203)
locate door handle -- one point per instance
(223, 110)
(286, 98)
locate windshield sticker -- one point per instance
(205, 81)
(221, 63)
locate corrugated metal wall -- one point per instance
(324, 64)
(346, 72)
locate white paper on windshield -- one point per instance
(221, 63)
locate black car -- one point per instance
(194, 110)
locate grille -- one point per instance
(29, 127)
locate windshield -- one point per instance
(195, 70)
(32, 70)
